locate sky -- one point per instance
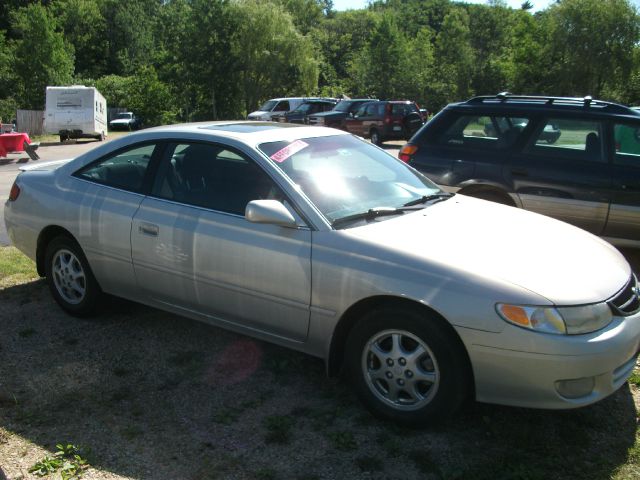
(537, 4)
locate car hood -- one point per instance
(121, 121)
(558, 261)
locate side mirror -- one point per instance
(269, 211)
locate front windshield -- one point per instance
(343, 106)
(343, 175)
(123, 116)
(268, 105)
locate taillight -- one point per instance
(14, 193)
(407, 152)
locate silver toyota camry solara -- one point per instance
(314, 239)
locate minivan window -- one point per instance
(282, 106)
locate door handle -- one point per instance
(148, 229)
(519, 172)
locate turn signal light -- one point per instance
(406, 152)
(14, 193)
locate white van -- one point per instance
(75, 112)
(276, 106)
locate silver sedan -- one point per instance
(319, 241)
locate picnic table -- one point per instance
(17, 142)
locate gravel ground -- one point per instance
(152, 395)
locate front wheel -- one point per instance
(375, 137)
(406, 366)
(70, 278)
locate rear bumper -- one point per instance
(505, 373)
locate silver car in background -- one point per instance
(314, 239)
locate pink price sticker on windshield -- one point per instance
(281, 155)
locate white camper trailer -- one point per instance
(75, 112)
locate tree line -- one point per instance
(189, 60)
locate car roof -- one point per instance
(250, 133)
(530, 103)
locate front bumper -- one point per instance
(521, 368)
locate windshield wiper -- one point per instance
(428, 198)
(368, 215)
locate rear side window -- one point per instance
(627, 141)
(483, 131)
(125, 170)
(570, 139)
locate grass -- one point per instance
(15, 267)
(278, 428)
(68, 460)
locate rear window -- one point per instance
(402, 109)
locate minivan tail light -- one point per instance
(407, 152)
(14, 193)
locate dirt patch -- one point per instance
(156, 396)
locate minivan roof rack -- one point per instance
(588, 101)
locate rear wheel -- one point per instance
(63, 138)
(406, 366)
(375, 137)
(70, 278)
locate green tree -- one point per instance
(491, 36)
(85, 28)
(380, 67)
(142, 93)
(271, 57)
(591, 44)
(130, 28)
(454, 59)
(42, 57)
(340, 39)
(8, 104)
(208, 70)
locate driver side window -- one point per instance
(212, 176)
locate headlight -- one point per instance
(558, 320)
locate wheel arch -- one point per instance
(356, 312)
(475, 188)
(45, 237)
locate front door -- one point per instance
(193, 249)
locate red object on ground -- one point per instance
(12, 142)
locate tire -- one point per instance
(395, 386)
(100, 137)
(63, 138)
(70, 278)
(375, 137)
